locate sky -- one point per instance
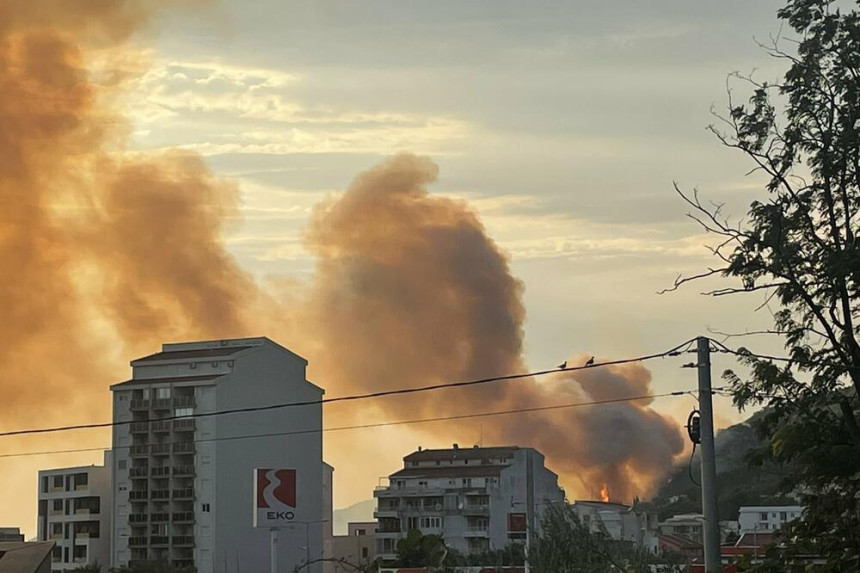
(563, 124)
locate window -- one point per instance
(58, 481)
(44, 484)
(56, 553)
(206, 508)
(763, 516)
(80, 552)
(360, 532)
(183, 412)
(81, 480)
(467, 482)
(56, 528)
(162, 393)
(364, 552)
(58, 505)
(431, 522)
(783, 516)
(422, 484)
(517, 522)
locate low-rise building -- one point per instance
(75, 513)
(355, 549)
(25, 557)
(11, 534)
(688, 525)
(619, 521)
(478, 499)
(767, 517)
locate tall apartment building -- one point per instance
(75, 513)
(183, 477)
(477, 499)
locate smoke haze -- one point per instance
(106, 254)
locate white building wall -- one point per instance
(97, 548)
(767, 517)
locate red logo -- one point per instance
(276, 489)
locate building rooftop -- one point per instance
(449, 472)
(175, 380)
(602, 504)
(218, 352)
(457, 453)
(680, 542)
(24, 557)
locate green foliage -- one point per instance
(418, 550)
(567, 545)
(799, 247)
(91, 568)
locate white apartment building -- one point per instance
(477, 499)
(75, 513)
(766, 518)
(621, 522)
(687, 525)
(183, 469)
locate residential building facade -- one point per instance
(619, 521)
(355, 549)
(75, 513)
(763, 518)
(687, 525)
(183, 468)
(477, 499)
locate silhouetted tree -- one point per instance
(799, 246)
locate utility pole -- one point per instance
(274, 550)
(713, 561)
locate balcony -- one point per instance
(184, 493)
(138, 472)
(139, 427)
(476, 531)
(137, 541)
(476, 509)
(138, 518)
(186, 540)
(183, 447)
(183, 470)
(159, 540)
(183, 402)
(159, 517)
(140, 404)
(162, 404)
(160, 449)
(138, 494)
(161, 471)
(183, 517)
(161, 426)
(139, 450)
(183, 425)
(160, 494)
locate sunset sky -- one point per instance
(563, 124)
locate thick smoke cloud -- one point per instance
(410, 290)
(106, 254)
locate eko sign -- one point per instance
(274, 497)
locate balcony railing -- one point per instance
(183, 470)
(184, 493)
(160, 471)
(137, 541)
(159, 540)
(183, 401)
(138, 472)
(161, 426)
(139, 450)
(182, 516)
(160, 449)
(138, 517)
(183, 447)
(183, 540)
(160, 494)
(183, 425)
(139, 427)
(159, 517)
(138, 494)
(162, 404)
(140, 404)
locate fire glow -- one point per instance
(604, 493)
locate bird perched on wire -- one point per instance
(589, 362)
(563, 365)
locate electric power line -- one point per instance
(675, 351)
(368, 426)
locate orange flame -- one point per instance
(604, 493)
